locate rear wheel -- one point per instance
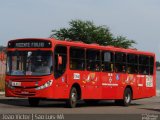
(72, 101)
(127, 98)
(33, 102)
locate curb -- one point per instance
(158, 93)
(2, 93)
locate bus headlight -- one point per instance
(47, 84)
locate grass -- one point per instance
(2, 82)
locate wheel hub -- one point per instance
(127, 98)
(73, 96)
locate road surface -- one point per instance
(138, 107)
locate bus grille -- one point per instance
(24, 94)
(26, 87)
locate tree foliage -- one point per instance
(88, 32)
(2, 48)
(157, 64)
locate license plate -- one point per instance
(16, 83)
(24, 92)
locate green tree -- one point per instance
(88, 32)
(2, 48)
(157, 64)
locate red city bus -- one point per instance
(39, 68)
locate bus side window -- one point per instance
(107, 61)
(151, 65)
(132, 63)
(120, 62)
(143, 64)
(93, 60)
(77, 58)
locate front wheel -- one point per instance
(72, 101)
(33, 102)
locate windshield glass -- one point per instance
(29, 63)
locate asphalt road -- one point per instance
(138, 107)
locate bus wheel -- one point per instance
(126, 98)
(33, 102)
(72, 101)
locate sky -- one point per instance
(137, 20)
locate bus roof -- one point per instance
(85, 45)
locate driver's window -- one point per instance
(60, 60)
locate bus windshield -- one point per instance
(29, 63)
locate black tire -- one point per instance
(127, 98)
(73, 98)
(33, 102)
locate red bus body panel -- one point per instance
(94, 85)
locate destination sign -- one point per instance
(29, 44)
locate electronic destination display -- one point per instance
(29, 44)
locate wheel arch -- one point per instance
(78, 88)
(130, 87)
